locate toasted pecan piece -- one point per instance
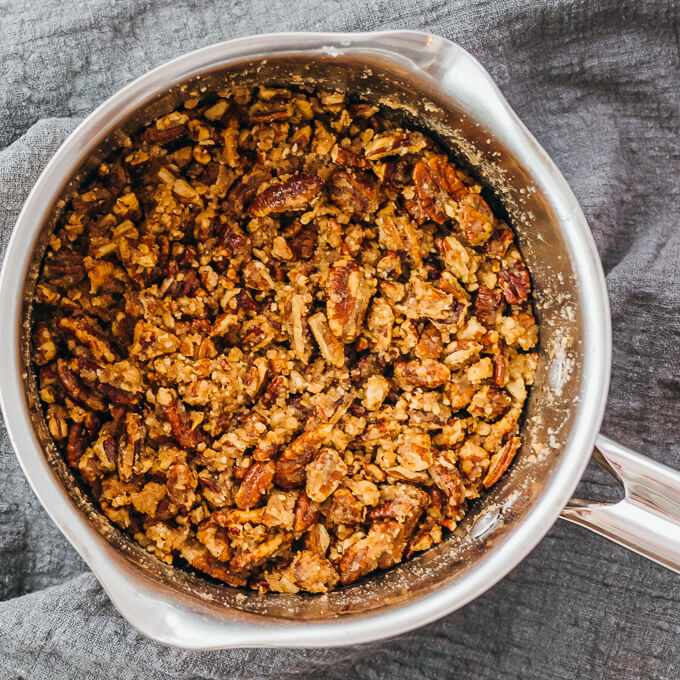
(516, 283)
(354, 191)
(290, 471)
(394, 143)
(255, 484)
(425, 373)
(347, 297)
(501, 461)
(174, 411)
(295, 193)
(324, 474)
(438, 188)
(331, 348)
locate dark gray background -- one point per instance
(598, 85)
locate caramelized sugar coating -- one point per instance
(283, 339)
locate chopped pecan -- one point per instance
(87, 332)
(428, 301)
(394, 143)
(131, 445)
(475, 219)
(516, 283)
(290, 471)
(448, 479)
(347, 297)
(295, 193)
(389, 266)
(250, 559)
(377, 389)
(199, 557)
(346, 508)
(306, 512)
(438, 188)
(270, 111)
(430, 345)
(354, 191)
(414, 450)
(331, 348)
(181, 484)
(215, 539)
(488, 306)
(256, 276)
(296, 309)
(44, 344)
(499, 370)
(399, 233)
(362, 556)
(324, 475)
(343, 156)
(255, 485)
(379, 323)
(75, 446)
(490, 403)
(499, 242)
(162, 137)
(317, 539)
(501, 461)
(301, 240)
(64, 268)
(312, 572)
(426, 374)
(187, 436)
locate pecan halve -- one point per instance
(347, 297)
(255, 485)
(76, 390)
(501, 461)
(290, 471)
(295, 193)
(353, 191)
(516, 283)
(438, 188)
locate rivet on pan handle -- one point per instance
(647, 519)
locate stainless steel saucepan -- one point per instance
(441, 87)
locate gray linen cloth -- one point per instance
(598, 85)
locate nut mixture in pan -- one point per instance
(283, 338)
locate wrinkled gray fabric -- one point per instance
(598, 85)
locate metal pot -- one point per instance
(440, 86)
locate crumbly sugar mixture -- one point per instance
(283, 339)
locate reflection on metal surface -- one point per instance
(647, 519)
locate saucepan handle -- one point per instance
(647, 519)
